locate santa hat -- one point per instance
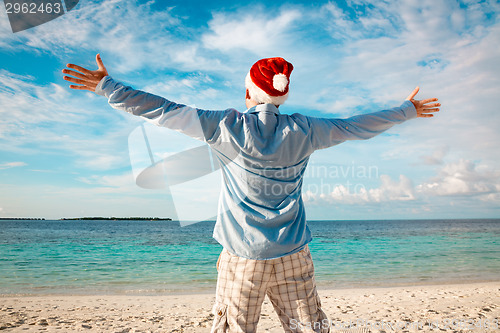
(268, 80)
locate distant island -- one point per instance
(118, 218)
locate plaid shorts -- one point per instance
(242, 285)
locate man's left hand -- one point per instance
(424, 109)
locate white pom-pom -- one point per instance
(280, 82)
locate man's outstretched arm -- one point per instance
(196, 123)
(328, 132)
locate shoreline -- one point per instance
(321, 286)
(432, 307)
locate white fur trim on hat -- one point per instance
(260, 96)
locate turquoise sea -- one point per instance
(160, 257)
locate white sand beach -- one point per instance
(473, 307)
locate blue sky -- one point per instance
(65, 153)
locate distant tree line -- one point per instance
(120, 218)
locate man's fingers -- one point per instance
(74, 80)
(413, 93)
(427, 113)
(80, 87)
(79, 68)
(75, 74)
(99, 61)
(425, 101)
(424, 115)
(79, 81)
(432, 105)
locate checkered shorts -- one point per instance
(289, 283)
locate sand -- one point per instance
(432, 308)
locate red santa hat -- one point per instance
(268, 81)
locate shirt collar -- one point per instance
(269, 108)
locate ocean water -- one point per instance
(160, 257)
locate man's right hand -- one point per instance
(86, 79)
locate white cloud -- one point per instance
(372, 21)
(104, 160)
(123, 182)
(8, 165)
(458, 179)
(436, 158)
(49, 118)
(449, 50)
(463, 178)
(5, 30)
(387, 64)
(129, 35)
(389, 190)
(260, 33)
(29, 103)
(195, 89)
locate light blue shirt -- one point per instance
(263, 156)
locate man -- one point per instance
(263, 154)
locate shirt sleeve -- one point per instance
(327, 132)
(199, 124)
